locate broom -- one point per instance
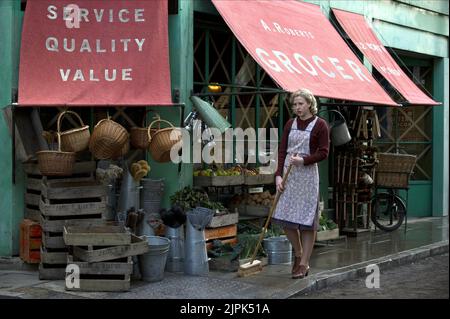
(255, 266)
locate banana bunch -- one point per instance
(139, 169)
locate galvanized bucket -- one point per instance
(175, 258)
(195, 254)
(153, 262)
(279, 250)
(340, 134)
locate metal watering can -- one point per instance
(340, 134)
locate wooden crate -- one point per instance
(223, 220)
(30, 241)
(52, 271)
(327, 234)
(253, 210)
(231, 241)
(56, 224)
(104, 235)
(53, 240)
(53, 256)
(80, 170)
(260, 179)
(221, 232)
(218, 180)
(103, 276)
(90, 253)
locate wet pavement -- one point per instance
(423, 279)
(332, 262)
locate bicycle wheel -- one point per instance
(388, 211)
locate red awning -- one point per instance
(365, 39)
(298, 47)
(103, 53)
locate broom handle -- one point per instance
(269, 217)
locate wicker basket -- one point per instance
(74, 140)
(139, 136)
(394, 170)
(124, 151)
(56, 163)
(160, 142)
(108, 139)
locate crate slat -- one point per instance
(57, 226)
(32, 199)
(137, 247)
(220, 232)
(87, 208)
(105, 235)
(75, 189)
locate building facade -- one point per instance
(202, 50)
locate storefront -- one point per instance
(202, 51)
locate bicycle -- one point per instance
(388, 210)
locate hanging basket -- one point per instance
(56, 163)
(74, 140)
(108, 139)
(160, 142)
(139, 136)
(124, 151)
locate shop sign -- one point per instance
(368, 43)
(298, 47)
(95, 52)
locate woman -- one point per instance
(305, 142)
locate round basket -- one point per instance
(124, 151)
(108, 139)
(56, 163)
(160, 143)
(139, 136)
(74, 140)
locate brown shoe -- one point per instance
(302, 272)
(296, 264)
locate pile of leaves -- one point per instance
(326, 223)
(189, 198)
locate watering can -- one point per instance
(210, 115)
(340, 134)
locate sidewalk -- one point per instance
(331, 262)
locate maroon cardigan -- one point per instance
(319, 143)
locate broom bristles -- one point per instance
(250, 268)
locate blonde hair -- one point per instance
(309, 98)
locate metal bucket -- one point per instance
(340, 134)
(153, 262)
(278, 249)
(129, 193)
(152, 192)
(175, 258)
(195, 254)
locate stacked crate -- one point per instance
(82, 171)
(222, 227)
(103, 255)
(30, 241)
(66, 202)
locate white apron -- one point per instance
(298, 202)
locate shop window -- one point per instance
(220, 58)
(409, 129)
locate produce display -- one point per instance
(260, 199)
(189, 198)
(234, 171)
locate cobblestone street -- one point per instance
(425, 279)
